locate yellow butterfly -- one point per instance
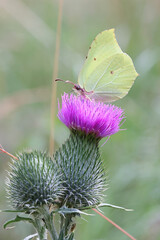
(108, 73)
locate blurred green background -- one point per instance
(131, 157)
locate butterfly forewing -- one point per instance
(107, 71)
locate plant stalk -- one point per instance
(55, 73)
(40, 227)
(48, 219)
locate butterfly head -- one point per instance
(79, 90)
(76, 88)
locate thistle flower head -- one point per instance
(89, 116)
(33, 181)
(82, 171)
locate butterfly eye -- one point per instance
(77, 87)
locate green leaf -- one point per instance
(14, 211)
(31, 236)
(65, 210)
(18, 219)
(114, 206)
(106, 205)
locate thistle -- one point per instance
(79, 158)
(75, 180)
(33, 181)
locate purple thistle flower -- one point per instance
(89, 116)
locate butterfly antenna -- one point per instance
(60, 80)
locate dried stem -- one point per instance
(9, 154)
(55, 73)
(114, 224)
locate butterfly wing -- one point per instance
(107, 72)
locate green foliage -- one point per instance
(18, 219)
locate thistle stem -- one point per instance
(40, 227)
(48, 219)
(66, 226)
(51, 228)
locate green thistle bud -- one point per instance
(82, 171)
(33, 181)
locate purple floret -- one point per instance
(89, 116)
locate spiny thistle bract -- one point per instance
(33, 181)
(82, 171)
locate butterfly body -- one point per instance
(77, 88)
(81, 91)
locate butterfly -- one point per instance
(108, 73)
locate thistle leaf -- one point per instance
(18, 219)
(114, 206)
(14, 211)
(31, 236)
(65, 210)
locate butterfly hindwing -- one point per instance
(107, 71)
